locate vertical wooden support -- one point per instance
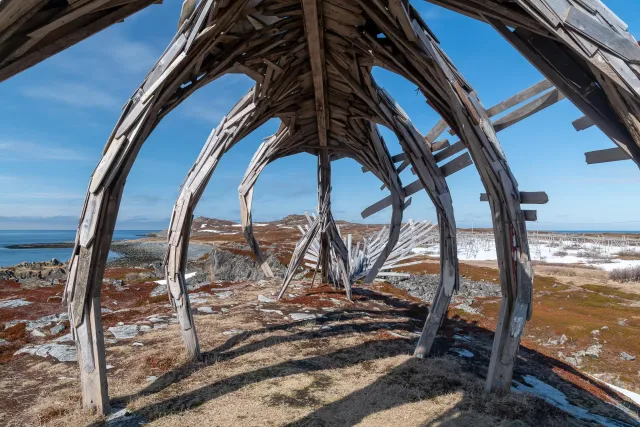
(267, 152)
(180, 300)
(93, 372)
(324, 198)
(392, 179)
(433, 181)
(243, 118)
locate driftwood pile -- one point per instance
(311, 61)
(362, 256)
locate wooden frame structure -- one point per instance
(311, 61)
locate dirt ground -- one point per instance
(350, 365)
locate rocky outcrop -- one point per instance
(36, 273)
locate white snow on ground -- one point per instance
(558, 399)
(260, 225)
(623, 391)
(237, 225)
(186, 276)
(219, 232)
(483, 249)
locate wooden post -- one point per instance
(324, 198)
(91, 357)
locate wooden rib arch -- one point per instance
(272, 150)
(214, 41)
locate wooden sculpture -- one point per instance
(311, 61)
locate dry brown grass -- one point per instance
(348, 368)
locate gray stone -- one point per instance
(123, 418)
(60, 352)
(206, 310)
(264, 310)
(109, 367)
(137, 344)
(151, 378)
(124, 332)
(264, 299)
(233, 332)
(572, 360)
(302, 316)
(462, 352)
(145, 328)
(37, 333)
(13, 303)
(595, 332)
(622, 322)
(47, 321)
(594, 351)
(57, 329)
(224, 295)
(65, 338)
(627, 356)
(224, 310)
(160, 326)
(159, 290)
(468, 309)
(105, 310)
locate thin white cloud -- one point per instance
(23, 150)
(202, 111)
(74, 94)
(133, 56)
(42, 195)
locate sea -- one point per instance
(9, 257)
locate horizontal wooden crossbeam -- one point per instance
(604, 156)
(526, 197)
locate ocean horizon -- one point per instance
(10, 257)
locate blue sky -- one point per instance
(57, 116)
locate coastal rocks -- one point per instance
(36, 273)
(143, 253)
(14, 303)
(124, 332)
(424, 286)
(237, 267)
(60, 352)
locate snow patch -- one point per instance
(462, 352)
(564, 252)
(186, 276)
(558, 399)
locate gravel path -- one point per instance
(139, 252)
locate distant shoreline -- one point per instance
(60, 245)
